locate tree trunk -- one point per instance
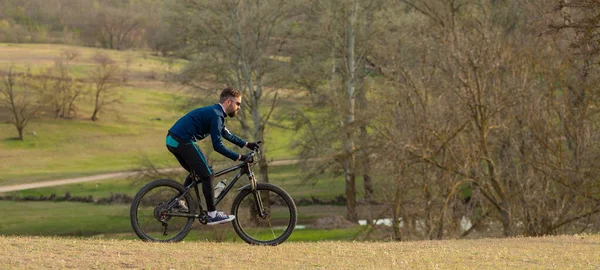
(363, 104)
(396, 214)
(349, 165)
(96, 106)
(20, 130)
(505, 218)
(428, 215)
(94, 117)
(364, 159)
(350, 190)
(366, 166)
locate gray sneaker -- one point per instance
(219, 218)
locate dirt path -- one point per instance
(104, 176)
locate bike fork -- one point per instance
(257, 197)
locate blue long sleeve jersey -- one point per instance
(210, 120)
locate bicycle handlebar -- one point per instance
(252, 154)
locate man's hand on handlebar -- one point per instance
(253, 145)
(246, 157)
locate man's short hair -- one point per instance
(229, 92)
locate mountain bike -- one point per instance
(264, 213)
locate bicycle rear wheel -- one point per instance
(151, 217)
(278, 221)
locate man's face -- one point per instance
(232, 106)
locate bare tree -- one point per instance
(19, 99)
(58, 88)
(105, 83)
(66, 88)
(117, 28)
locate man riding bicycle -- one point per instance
(197, 125)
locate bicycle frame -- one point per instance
(245, 169)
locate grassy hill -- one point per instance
(558, 252)
(125, 136)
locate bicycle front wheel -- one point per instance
(153, 217)
(274, 225)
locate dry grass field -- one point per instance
(557, 252)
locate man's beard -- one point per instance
(232, 114)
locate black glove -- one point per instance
(253, 145)
(244, 157)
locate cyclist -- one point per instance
(197, 125)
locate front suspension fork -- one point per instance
(257, 197)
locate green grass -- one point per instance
(227, 234)
(112, 221)
(63, 218)
(96, 189)
(311, 235)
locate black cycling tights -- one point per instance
(193, 161)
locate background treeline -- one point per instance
(443, 110)
(111, 24)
